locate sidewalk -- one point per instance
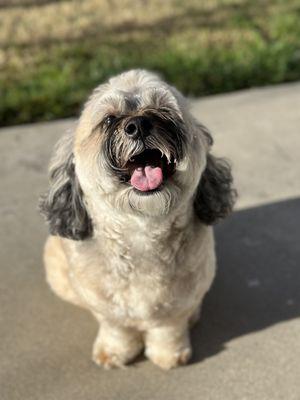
(247, 345)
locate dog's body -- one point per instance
(130, 236)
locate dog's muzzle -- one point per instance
(143, 150)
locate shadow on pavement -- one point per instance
(258, 278)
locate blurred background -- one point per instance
(54, 52)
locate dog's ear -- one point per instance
(63, 205)
(215, 196)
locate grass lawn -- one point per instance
(54, 52)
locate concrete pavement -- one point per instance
(247, 345)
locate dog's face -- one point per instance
(135, 146)
(139, 150)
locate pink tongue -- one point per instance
(146, 178)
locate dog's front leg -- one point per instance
(116, 346)
(169, 345)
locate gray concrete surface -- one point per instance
(247, 345)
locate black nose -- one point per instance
(138, 127)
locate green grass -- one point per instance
(54, 53)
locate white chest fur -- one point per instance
(137, 270)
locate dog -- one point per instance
(132, 196)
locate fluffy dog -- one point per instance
(132, 195)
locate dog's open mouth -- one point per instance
(148, 170)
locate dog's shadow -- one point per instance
(258, 278)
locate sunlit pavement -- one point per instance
(247, 345)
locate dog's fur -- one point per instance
(140, 262)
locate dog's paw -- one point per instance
(109, 360)
(167, 359)
(116, 355)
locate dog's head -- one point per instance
(136, 150)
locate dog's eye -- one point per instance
(108, 120)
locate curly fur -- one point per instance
(141, 263)
(215, 196)
(63, 205)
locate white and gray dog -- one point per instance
(132, 195)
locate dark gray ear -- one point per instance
(215, 196)
(63, 205)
